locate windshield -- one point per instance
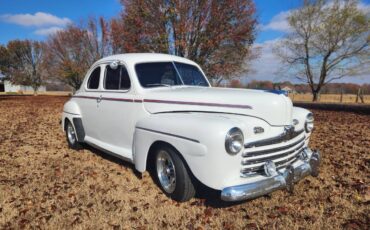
(156, 74)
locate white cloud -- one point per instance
(266, 66)
(48, 31)
(364, 7)
(279, 22)
(37, 19)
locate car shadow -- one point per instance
(113, 159)
(205, 196)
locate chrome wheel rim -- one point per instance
(166, 171)
(71, 134)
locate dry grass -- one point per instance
(43, 184)
(329, 98)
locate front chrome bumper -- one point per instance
(310, 166)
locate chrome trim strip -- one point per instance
(169, 102)
(279, 164)
(110, 99)
(198, 103)
(72, 113)
(274, 140)
(247, 161)
(168, 134)
(252, 153)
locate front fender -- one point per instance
(300, 114)
(200, 139)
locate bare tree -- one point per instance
(71, 52)
(21, 62)
(329, 40)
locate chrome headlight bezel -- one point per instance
(234, 141)
(308, 126)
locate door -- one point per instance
(118, 109)
(88, 101)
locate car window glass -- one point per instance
(117, 79)
(190, 74)
(94, 78)
(156, 74)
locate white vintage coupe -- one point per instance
(159, 111)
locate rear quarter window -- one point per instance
(94, 79)
(117, 79)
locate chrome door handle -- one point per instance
(98, 100)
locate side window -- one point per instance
(116, 79)
(94, 78)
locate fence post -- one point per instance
(361, 96)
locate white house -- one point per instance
(9, 87)
(288, 89)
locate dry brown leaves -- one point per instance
(44, 184)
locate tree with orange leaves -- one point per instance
(216, 34)
(70, 53)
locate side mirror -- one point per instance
(114, 65)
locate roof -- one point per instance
(133, 58)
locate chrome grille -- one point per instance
(282, 150)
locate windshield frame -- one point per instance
(177, 72)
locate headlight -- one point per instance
(308, 126)
(234, 141)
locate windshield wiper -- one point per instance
(158, 84)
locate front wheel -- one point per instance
(172, 174)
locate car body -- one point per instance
(245, 143)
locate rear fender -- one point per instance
(72, 113)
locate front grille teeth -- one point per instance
(262, 158)
(252, 153)
(254, 158)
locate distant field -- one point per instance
(51, 93)
(329, 98)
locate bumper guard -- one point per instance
(283, 180)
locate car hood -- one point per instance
(273, 108)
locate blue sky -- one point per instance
(75, 11)
(35, 19)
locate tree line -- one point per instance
(327, 40)
(216, 34)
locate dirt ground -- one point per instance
(43, 184)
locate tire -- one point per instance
(172, 174)
(71, 136)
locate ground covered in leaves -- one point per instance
(44, 184)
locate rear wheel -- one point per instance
(71, 136)
(172, 174)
